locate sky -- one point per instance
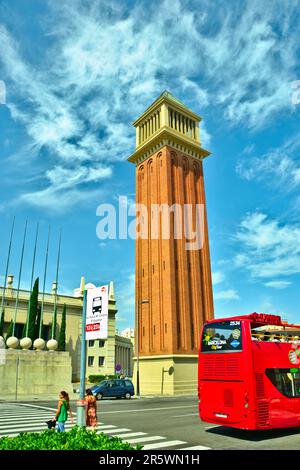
(75, 74)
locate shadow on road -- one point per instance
(253, 435)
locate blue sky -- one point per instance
(77, 73)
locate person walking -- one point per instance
(62, 411)
(91, 409)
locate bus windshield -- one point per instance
(223, 336)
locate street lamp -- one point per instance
(140, 302)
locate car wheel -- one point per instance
(127, 395)
(99, 396)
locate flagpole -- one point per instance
(44, 283)
(31, 282)
(19, 280)
(7, 265)
(56, 286)
(81, 401)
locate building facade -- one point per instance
(173, 282)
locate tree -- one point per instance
(24, 331)
(2, 323)
(10, 330)
(33, 309)
(62, 333)
(37, 323)
(54, 324)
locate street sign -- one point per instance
(97, 313)
(80, 402)
(118, 367)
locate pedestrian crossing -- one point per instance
(16, 418)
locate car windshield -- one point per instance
(99, 384)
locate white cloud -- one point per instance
(59, 201)
(229, 294)
(268, 248)
(106, 63)
(278, 284)
(217, 277)
(279, 167)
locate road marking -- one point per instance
(16, 418)
(38, 427)
(32, 428)
(145, 439)
(148, 409)
(190, 414)
(163, 445)
(111, 431)
(130, 434)
(195, 448)
(32, 406)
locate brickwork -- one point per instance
(176, 281)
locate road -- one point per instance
(156, 423)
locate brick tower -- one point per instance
(173, 284)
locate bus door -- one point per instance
(222, 387)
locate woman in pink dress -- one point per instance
(91, 409)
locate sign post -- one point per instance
(80, 402)
(94, 326)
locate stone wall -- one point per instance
(35, 374)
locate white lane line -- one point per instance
(195, 448)
(190, 414)
(163, 445)
(38, 427)
(18, 412)
(145, 439)
(32, 406)
(115, 430)
(130, 434)
(23, 416)
(16, 432)
(24, 420)
(147, 409)
(28, 427)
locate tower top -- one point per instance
(167, 121)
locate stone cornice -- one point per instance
(166, 137)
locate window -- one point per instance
(91, 343)
(223, 336)
(120, 383)
(101, 343)
(287, 381)
(90, 361)
(101, 361)
(127, 383)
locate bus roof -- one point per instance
(257, 319)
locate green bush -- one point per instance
(76, 439)
(94, 379)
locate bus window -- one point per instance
(223, 336)
(286, 382)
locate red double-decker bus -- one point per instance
(249, 375)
